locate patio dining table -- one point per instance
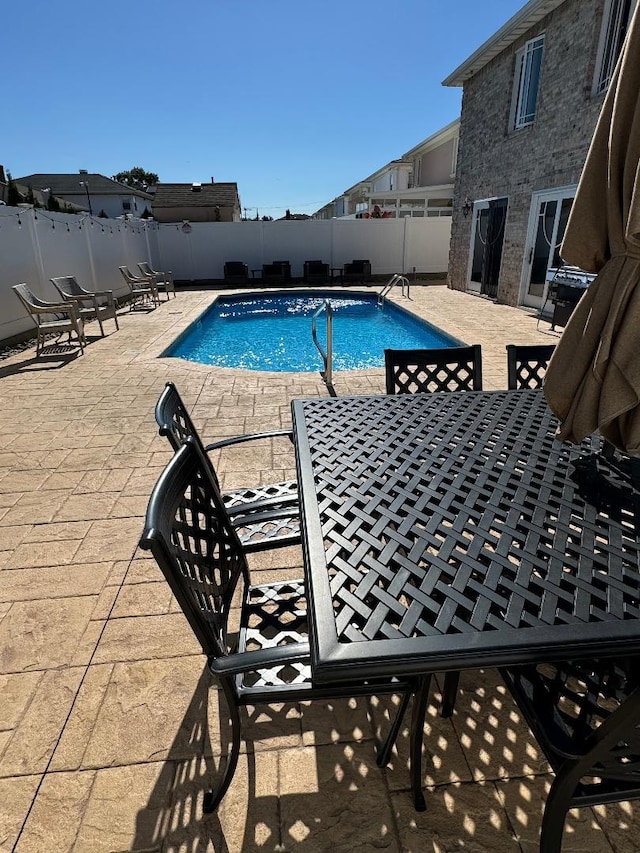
(452, 531)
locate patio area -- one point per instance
(104, 688)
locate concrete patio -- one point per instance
(104, 689)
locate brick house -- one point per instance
(531, 98)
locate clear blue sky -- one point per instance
(295, 100)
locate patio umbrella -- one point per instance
(593, 380)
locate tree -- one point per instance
(136, 178)
(14, 196)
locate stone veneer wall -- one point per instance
(492, 161)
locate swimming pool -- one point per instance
(273, 332)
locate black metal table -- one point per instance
(451, 531)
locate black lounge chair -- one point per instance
(446, 369)
(359, 270)
(316, 272)
(263, 516)
(527, 365)
(236, 272)
(265, 657)
(277, 272)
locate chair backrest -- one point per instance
(188, 532)
(27, 297)
(527, 364)
(447, 369)
(315, 267)
(145, 269)
(236, 268)
(67, 285)
(130, 278)
(175, 423)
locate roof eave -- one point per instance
(527, 17)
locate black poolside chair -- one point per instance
(447, 369)
(594, 752)
(277, 272)
(262, 516)
(527, 365)
(266, 659)
(316, 272)
(359, 270)
(236, 272)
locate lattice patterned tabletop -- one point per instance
(452, 531)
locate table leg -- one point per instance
(417, 728)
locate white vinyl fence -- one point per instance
(198, 251)
(37, 245)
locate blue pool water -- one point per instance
(259, 332)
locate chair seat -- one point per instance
(265, 514)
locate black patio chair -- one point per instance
(236, 272)
(266, 661)
(430, 370)
(262, 516)
(447, 369)
(316, 272)
(594, 752)
(277, 272)
(527, 365)
(357, 270)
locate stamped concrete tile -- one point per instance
(465, 817)
(57, 553)
(334, 798)
(35, 508)
(146, 638)
(335, 721)
(247, 819)
(145, 599)
(55, 531)
(43, 634)
(64, 795)
(443, 760)
(151, 710)
(524, 801)
(495, 738)
(37, 733)
(128, 809)
(620, 823)
(16, 691)
(82, 720)
(16, 796)
(87, 507)
(23, 480)
(53, 582)
(11, 537)
(111, 539)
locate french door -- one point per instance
(487, 239)
(547, 224)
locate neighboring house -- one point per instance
(91, 192)
(420, 183)
(214, 202)
(531, 98)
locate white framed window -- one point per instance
(615, 20)
(526, 82)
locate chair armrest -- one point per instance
(256, 436)
(238, 662)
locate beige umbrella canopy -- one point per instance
(593, 380)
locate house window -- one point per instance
(526, 82)
(615, 21)
(126, 205)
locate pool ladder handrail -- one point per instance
(327, 357)
(396, 279)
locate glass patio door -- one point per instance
(487, 238)
(547, 224)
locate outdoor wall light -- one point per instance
(467, 207)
